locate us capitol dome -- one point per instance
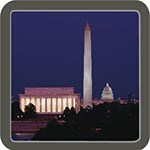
(107, 93)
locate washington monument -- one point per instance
(87, 74)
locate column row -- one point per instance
(45, 105)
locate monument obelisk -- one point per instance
(87, 74)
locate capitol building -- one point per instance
(107, 94)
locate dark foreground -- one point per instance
(107, 122)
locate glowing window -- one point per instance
(48, 105)
(22, 104)
(43, 105)
(64, 100)
(27, 101)
(59, 105)
(69, 102)
(38, 104)
(53, 104)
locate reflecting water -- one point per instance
(22, 136)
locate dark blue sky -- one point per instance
(47, 50)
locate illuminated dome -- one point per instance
(107, 92)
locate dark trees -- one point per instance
(16, 112)
(30, 111)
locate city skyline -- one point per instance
(47, 53)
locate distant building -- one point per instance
(50, 100)
(107, 94)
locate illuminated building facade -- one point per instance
(50, 100)
(107, 92)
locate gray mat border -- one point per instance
(64, 5)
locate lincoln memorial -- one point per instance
(50, 100)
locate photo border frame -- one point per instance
(72, 5)
(139, 65)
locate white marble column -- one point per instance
(38, 105)
(22, 104)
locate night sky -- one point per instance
(47, 51)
